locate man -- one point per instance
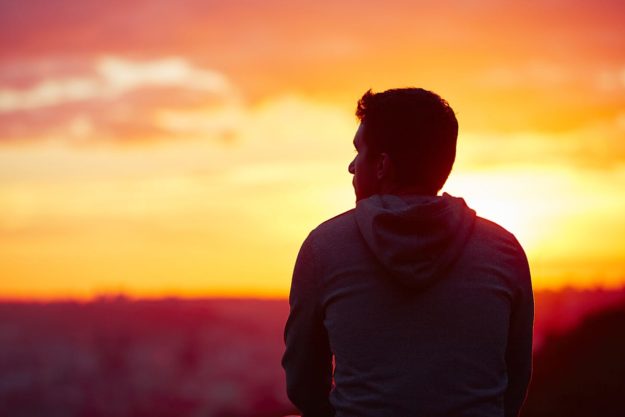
(425, 308)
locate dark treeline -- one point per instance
(581, 373)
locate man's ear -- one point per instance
(385, 166)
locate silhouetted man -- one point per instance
(426, 309)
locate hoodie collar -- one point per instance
(415, 237)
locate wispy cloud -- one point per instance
(112, 77)
(532, 74)
(597, 146)
(117, 98)
(611, 80)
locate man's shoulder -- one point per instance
(336, 225)
(495, 242)
(337, 231)
(492, 231)
(337, 240)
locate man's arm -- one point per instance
(307, 359)
(519, 351)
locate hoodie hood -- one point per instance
(416, 238)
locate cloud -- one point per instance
(117, 99)
(610, 80)
(534, 74)
(597, 145)
(620, 121)
(123, 75)
(553, 76)
(111, 78)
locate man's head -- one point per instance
(406, 142)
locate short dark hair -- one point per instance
(417, 129)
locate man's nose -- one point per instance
(350, 168)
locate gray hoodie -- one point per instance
(425, 308)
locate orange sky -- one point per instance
(187, 148)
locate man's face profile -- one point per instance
(363, 167)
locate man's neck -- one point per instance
(397, 189)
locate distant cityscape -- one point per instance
(119, 357)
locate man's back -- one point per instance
(426, 308)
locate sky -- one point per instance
(158, 148)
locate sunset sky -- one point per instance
(186, 148)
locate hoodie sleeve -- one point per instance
(519, 351)
(307, 359)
